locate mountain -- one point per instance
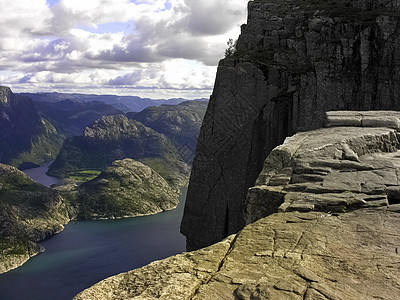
(316, 217)
(25, 136)
(116, 137)
(293, 61)
(323, 223)
(29, 212)
(72, 116)
(124, 103)
(181, 123)
(127, 188)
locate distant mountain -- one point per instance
(123, 103)
(180, 122)
(71, 117)
(25, 136)
(116, 137)
(128, 188)
(29, 212)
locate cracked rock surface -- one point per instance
(323, 224)
(294, 61)
(331, 169)
(290, 255)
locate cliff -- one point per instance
(29, 212)
(293, 61)
(25, 136)
(326, 213)
(128, 188)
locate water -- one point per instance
(89, 251)
(39, 175)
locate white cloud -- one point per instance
(172, 44)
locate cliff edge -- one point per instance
(326, 213)
(293, 61)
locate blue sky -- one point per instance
(51, 2)
(151, 48)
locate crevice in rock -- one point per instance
(221, 264)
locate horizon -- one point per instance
(91, 94)
(150, 49)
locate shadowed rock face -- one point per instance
(325, 213)
(24, 136)
(294, 61)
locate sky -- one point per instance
(146, 48)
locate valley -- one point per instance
(110, 166)
(285, 184)
(88, 251)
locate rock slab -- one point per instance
(323, 223)
(294, 61)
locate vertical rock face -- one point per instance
(293, 62)
(24, 136)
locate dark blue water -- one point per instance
(89, 251)
(39, 174)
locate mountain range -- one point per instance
(123, 103)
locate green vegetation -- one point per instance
(127, 188)
(43, 148)
(110, 139)
(29, 212)
(25, 136)
(231, 50)
(181, 123)
(83, 175)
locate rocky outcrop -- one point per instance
(294, 60)
(25, 136)
(326, 215)
(332, 169)
(126, 189)
(181, 123)
(116, 137)
(285, 256)
(29, 212)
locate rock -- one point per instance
(331, 234)
(294, 61)
(177, 277)
(25, 136)
(181, 123)
(29, 212)
(390, 119)
(114, 138)
(291, 255)
(331, 169)
(126, 189)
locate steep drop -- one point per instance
(293, 62)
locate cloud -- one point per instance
(127, 79)
(116, 42)
(212, 17)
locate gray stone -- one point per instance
(295, 61)
(323, 180)
(289, 255)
